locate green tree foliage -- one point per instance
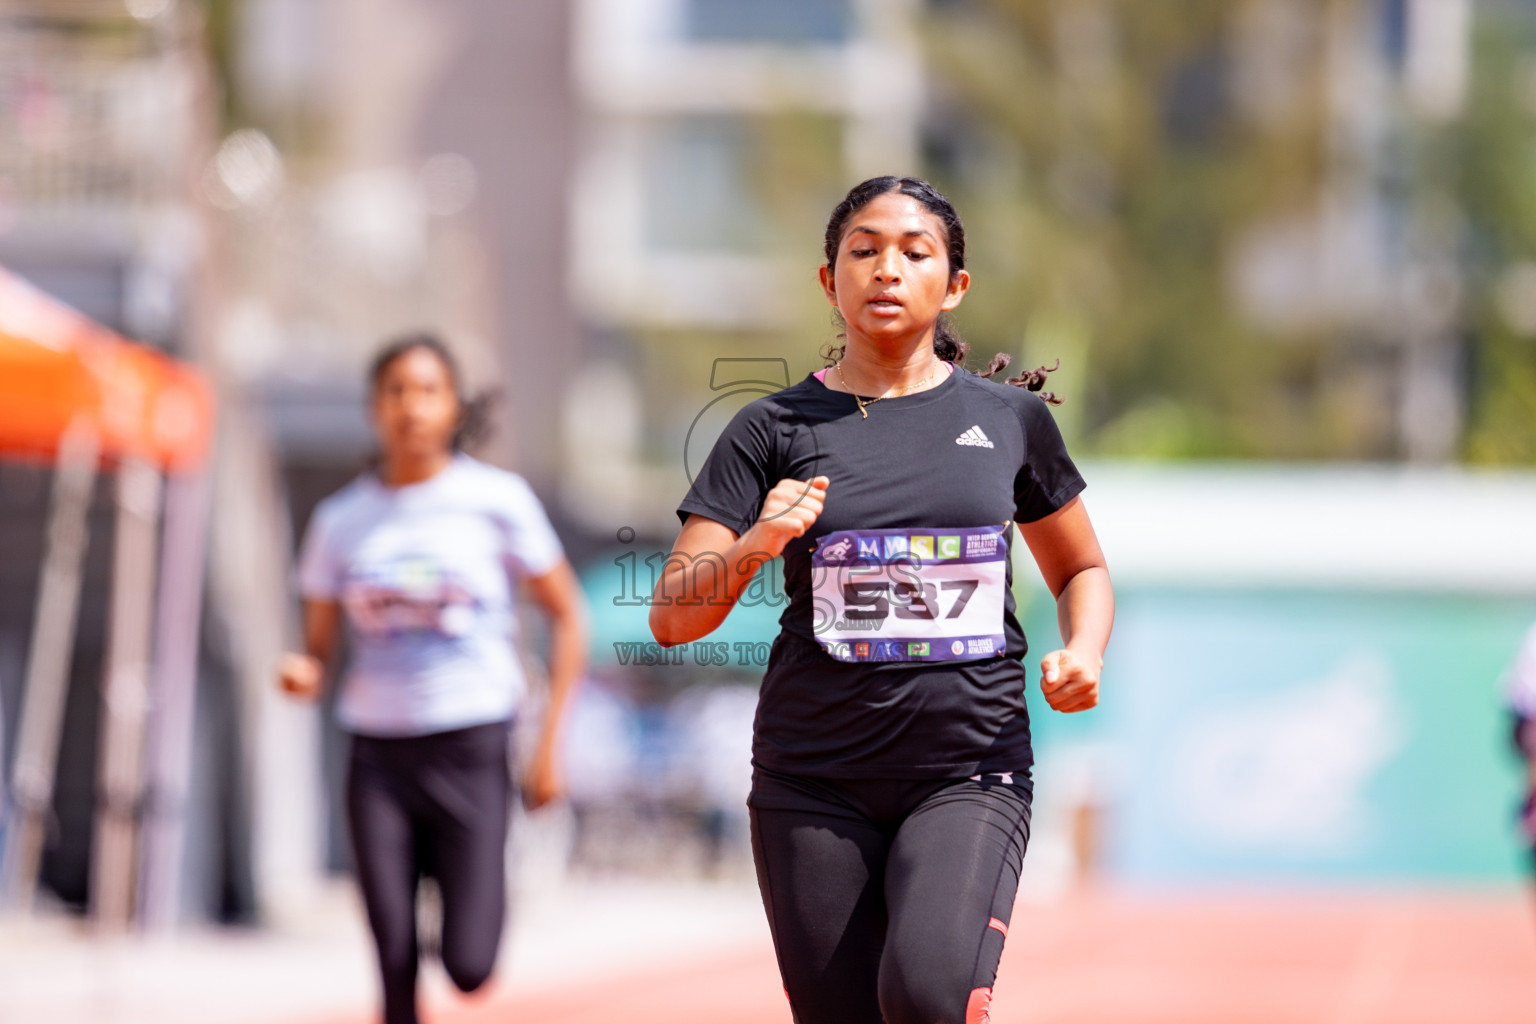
(1497, 185)
(1115, 159)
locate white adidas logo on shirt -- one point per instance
(975, 438)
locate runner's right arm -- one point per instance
(711, 564)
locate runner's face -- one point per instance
(415, 406)
(892, 277)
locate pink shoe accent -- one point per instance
(995, 923)
(978, 1008)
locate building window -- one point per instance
(768, 21)
(697, 193)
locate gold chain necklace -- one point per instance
(863, 405)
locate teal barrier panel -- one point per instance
(618, 586)
(1263, 735)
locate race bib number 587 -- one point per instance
(911, 594)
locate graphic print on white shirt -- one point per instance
(1520, 681)
(413, 593)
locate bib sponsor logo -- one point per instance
(980, 545)
(918, 649)
(869, 547)
(894, 547)
(838, 551)
(861, 649)
(980, 645)
(958, 647)
(949, 547)
(921, 547)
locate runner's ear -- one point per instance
(959, 284)
(828, 282)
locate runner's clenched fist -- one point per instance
(788, 511)
(1070, 679)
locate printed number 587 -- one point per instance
(869, 600)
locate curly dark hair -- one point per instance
(947, 343)
(474, 411)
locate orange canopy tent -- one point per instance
(58, 367)
(76, 394)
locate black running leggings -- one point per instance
(888, 899)
(431, 806)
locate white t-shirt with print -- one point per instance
(426, 576)
(1520, 683)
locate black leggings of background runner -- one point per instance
(434, 806)
(888, 899)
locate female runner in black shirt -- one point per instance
(891, 752)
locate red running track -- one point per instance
(1101, 958)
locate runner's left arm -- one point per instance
(559, 594)
(1072, 563)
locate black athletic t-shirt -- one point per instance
(965, 453)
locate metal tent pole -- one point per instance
(47, 682)
(174, 697)
(125, 693)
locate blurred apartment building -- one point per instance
(554, 186)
